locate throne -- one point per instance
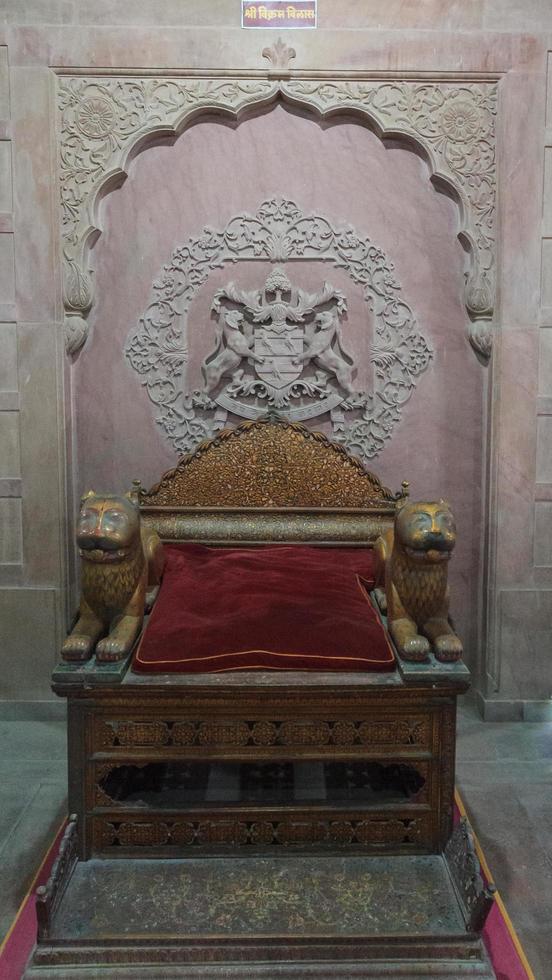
(253, 810)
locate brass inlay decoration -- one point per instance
(270, 463)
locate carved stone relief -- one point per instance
(278, 347)
(454, 124)
(103, 120)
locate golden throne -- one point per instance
(225, 819)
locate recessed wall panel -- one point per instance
(8, 356)
(11, 551)
(4, 83)
(6, 197)
(547, 199)
(544, 449)
(546, 273)
(10, 464)
(7, 269)
(543, 533)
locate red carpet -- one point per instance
(503, 946)
(508, 959)
(21, 937)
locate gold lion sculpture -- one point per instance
(412, 566)
(122, 563)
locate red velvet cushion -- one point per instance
(270, 608)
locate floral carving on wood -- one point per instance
(278, 231)
(104, 118)
(372, 831)
(407, 731)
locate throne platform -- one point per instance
(260, 822)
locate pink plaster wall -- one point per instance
(342, 170)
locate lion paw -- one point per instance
(381, 599)
(77, 648)
(151, 596)
(448, 648)
(416, 648)
(111, 649)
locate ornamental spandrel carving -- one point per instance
(455, 125)
(103, 119)
(278, 347)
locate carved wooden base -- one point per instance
(336, 869)
(270, 916)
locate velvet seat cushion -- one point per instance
(270, 608)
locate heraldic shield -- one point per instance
(279, 352)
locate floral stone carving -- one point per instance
(455, 125)
(103, 119)
(278, 347)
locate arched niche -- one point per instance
(106, 121)
(437, 444)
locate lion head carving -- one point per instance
(108, 528)
(412, 574)
(426, 532)
(120, 560)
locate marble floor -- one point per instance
(504, 772)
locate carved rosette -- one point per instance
(102, 119)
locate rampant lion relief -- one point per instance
(122, 563)
(278, 348)
(412, 560)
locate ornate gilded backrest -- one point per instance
(269, 480)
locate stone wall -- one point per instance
(478, 432)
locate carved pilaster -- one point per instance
(78, 296)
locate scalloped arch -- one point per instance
(106, 121)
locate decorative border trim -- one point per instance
(372, 831)
(106, 120)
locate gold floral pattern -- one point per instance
(266, 896)
(269, 464)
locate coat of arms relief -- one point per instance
(279, 347)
